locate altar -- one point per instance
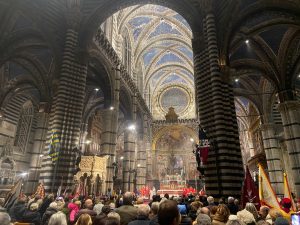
(173, 185)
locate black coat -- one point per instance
(32, 217)
(141, 220)
(46, 217)
(17, 211)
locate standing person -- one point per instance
(168, 213)
(74, 208)
(88, 209)
(153, 213)
(4, 218)
(221, 216)
(127, 211)
(58, 218)
(52, 209)
(231, 206)
(142, 215)
(84, 219)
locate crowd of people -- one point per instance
(128, 209)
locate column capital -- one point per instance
(207, 6)
(289, 105)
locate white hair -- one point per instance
(210, 199)
(230, 199)
(4, 218)
(143, 209)
(58, 218)
(53, 205)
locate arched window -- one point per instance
(127, 54)
(24, 126)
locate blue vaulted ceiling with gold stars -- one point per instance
(160, 53)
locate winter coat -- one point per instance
(32, 217)
(141, 220)
(17, 211)
(73, 210)
(46, 217)
(127, 213)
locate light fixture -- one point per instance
(192, 139)
(111, 108)
(41, 155)
(131, 127)
(247, 41)
(122, 157)
(88, 141)
(96, 89)
(299, 75)
(236, 80)
(24, 174)
(138, 165)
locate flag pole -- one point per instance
(54, 176)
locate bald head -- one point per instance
(88, 204)
(205, 210)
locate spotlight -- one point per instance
(192, 140)
(236, 80)
(131, 127)
(122, 157)
(299, 75)
(88, 141)
(41, 155)
(247, 41)
(24, 174)
(138, 165)
(96, 89)
(111, 108)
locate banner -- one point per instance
(287, 192)
(250, 191)
(267, 195)
(13, 195)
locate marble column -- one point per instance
(215, 103)
(109, 134)
(273, 157)
(129, 153)
(67, 108)
(37, 152)
(290, 114)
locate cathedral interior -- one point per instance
(125, 85)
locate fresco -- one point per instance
(174, 155)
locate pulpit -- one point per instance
(92, 175)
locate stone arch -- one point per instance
(186, 8)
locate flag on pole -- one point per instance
(54, 146)
(58, 193)
(267, 195)
(250, 191)
(40, 191)
(14, 194)
(287, 191)
(203, 147)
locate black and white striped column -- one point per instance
(224, 172)
(273, 156)
(129, 154)
(290, 114)
(66, 115)
(37, 150)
